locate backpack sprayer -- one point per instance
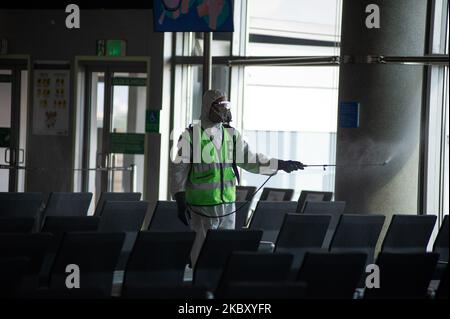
(324, 166)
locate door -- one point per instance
(115, 119)
(13, 120)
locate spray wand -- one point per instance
(347, 165)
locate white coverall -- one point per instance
(179, 174)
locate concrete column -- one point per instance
(391, 100)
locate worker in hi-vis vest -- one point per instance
(204, 174)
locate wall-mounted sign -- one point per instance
(152, 121)
(127, 143)
(126, 81)
(51, 99)
(5, 137)
(349, 114)
(111, 48)
(193, 16)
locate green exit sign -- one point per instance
(111, 47)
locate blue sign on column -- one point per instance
(349, 115)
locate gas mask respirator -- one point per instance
(220, 112)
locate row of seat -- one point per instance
(227, 257)
(297, 234)
(246, 193)
(410, 232)
(405, 231)
(77, 204)
(57, 204)
(30, 205)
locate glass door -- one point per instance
(5, 129)
(126, 145)
(115, 115)
(13, 118)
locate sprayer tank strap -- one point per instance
(192, 209)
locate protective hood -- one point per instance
(208, 98)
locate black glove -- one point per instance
(289, 166)
(180, 197)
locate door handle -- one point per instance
(103, 162)
(107, 161)
(7, 151)
(100, 161)
(22, 151)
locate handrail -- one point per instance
(124, 168)
(131, 168)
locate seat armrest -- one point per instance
(266, 246)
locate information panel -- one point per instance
(51, 98)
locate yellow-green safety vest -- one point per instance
(212, 183)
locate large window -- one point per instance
(284, 110)
(293, 27)
(289, 112)
(437, 143)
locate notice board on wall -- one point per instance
(51, 100)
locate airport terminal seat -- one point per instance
(301, 233)
(408, 233)
(122, 216)
(264, 290)
(96, 255)
(12, 271)
(357, 233)
(276, 194)
(165, 218)
(23, 225)
(440, 245)
(442, 290)
(403, 275)
(59, 225)
(158, 258)
(113, 196)
(269, 216)
(312, 196)
(217, 248)
(331, 275)
(334, 209)
(255, 267)
(34, 247)
(244, 193)
(175, 291)
(20, 204)
(67, 204)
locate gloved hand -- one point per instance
(180, 197)
(289, 166)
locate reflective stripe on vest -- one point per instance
(212, 183)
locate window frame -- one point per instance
(434, 114)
